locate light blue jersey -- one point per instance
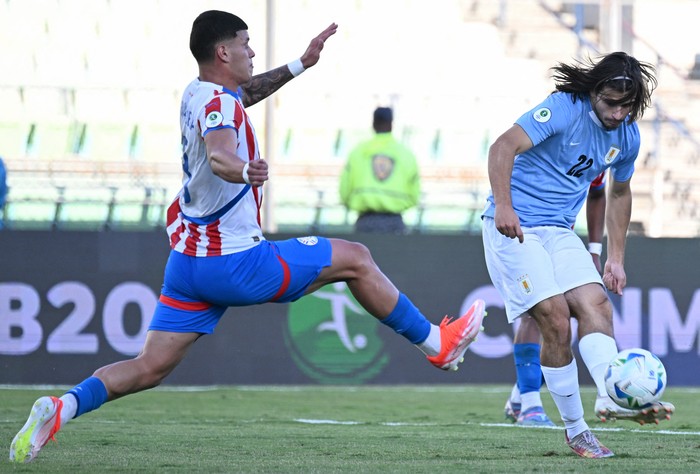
(570, 149)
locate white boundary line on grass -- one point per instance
(631, 430)
(312, 421)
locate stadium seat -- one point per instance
(31, 206)
(53, 130)
(14, 124)
(156, 115)
(84, 208)
(106, 130)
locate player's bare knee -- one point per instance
(557, 331)
(595, 316)
(359, 258)
(552, 316)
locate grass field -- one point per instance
(292, 429)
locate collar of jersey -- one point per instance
(237, 93)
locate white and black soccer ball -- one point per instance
(635, 378)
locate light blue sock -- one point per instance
(406, 320)
(91, 394)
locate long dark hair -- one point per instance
(618, 72)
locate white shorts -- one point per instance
(551, 261)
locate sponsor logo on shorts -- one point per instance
(309, 240)
(542, 115)
(525, 284)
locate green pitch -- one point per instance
(288, 429)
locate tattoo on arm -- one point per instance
(265, 84)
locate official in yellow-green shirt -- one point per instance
(380, 179)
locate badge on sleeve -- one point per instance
(214, 117)
(542, 115)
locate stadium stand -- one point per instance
(90, 100)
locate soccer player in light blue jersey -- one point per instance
(540, 171)
(524, 405)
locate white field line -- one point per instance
(498, 425)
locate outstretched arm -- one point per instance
(263, 85)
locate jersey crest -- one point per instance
(611, 154)
(382, 166)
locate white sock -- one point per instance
(70, 407)
(562, 383)
(431, 345)
(597, 350)
(529, 400)
(515, 394)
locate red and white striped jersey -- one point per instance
(211, 216)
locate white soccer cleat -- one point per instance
(41, 426)
(607, 410)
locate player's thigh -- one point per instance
(163, 350)
(349, 260)
(273, 271)
(305, 258)
(521, 272)
(583, 288)
(591, 306)
(571, 261)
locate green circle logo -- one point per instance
(542, 115)
(332, 339)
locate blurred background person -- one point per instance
(380, 179)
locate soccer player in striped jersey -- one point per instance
(219, 256)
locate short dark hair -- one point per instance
(209, 29)
(382, 119)
(616, 71)
(383, 114)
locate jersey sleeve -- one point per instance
(622, 170)
(222, 111)
(550, 117)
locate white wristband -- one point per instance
(245, 173)
(296, 67)
(596, 248)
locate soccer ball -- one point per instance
(635, 378)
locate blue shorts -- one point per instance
(197, 290)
